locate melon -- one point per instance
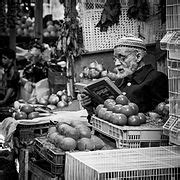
(85, 144)
(68, 131)
(68, 144)
(52, 130)
(98, 142)
(84, 131)
(58, 140)
(52, 137)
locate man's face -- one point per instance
(125, 61)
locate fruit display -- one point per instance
(25, 26)
(74, 136)
(26, 111)
(53, 101)
(120, 111)
(52, 29)
(96, 70)
(46, 104)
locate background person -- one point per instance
(10, 77)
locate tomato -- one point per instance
(127, 110)
(33, 115)
(121, 99)
(27, 108)
(53, 99)
(117, 108)
(98, 108)
(92, 65)
(101, 112)
(64, 97)
(134, 120)
(43, 101)
(118, 119)
(110, 106)
(134, 107)
(107, 101)
(20, 115)
(107, 115)
(99, 67)
(142, 118)
(61, 104)
(104, 73)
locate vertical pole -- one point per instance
(11, 23)
(70, 10)
(39, 20)
(23, 164)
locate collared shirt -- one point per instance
(146, 87)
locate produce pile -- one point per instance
(96, 70)
(120, 111)
(73, 136)
(30, 109)
(25, 27)
(58, 100)
(25, 111)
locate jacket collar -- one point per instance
(142, 73)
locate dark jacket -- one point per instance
(146, 87)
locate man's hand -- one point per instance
(85, 99)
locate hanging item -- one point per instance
(3, 16)
(110, 14)
(57, 10)
(138, 9)
(162, 10)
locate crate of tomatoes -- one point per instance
(121, 120)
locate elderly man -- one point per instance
(141, 83)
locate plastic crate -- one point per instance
(172, 15)
(27, 133)
(152, 163)
(174, 88)
(131, 136)
(48, 151)
(169, 123)
(39, 170)
(174, 135)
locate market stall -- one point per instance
(51, 133)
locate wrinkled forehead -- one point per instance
(123, 50)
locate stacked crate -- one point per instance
(131, 136)
(126, 164)
(171, 43)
